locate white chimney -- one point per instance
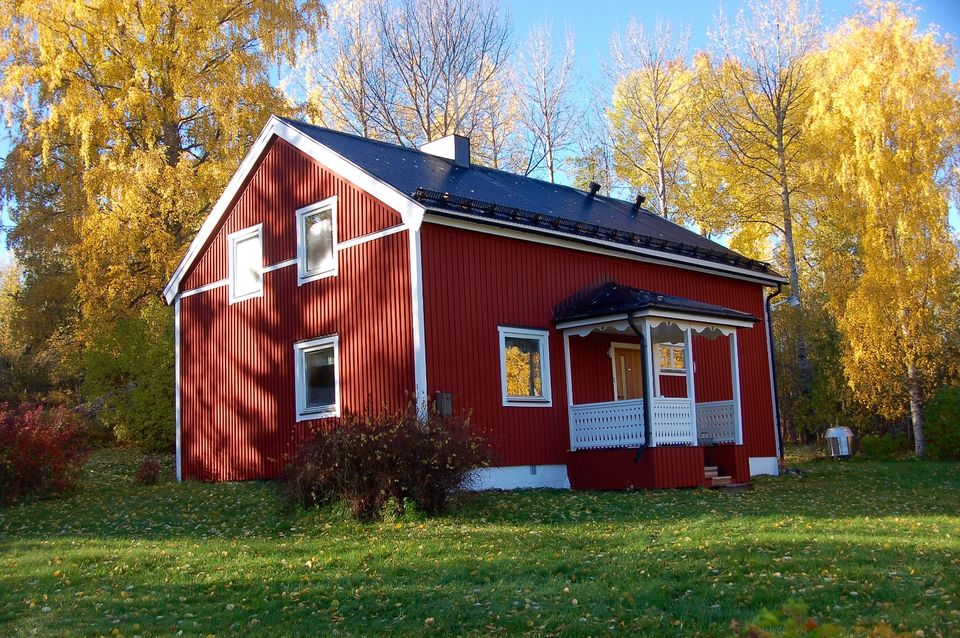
(451, 147)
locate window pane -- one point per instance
(524, 377)
(320, 378)
(247, 266)
(318, 230)
(678, 359)
(664, 353)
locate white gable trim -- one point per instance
(410, 211)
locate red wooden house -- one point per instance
(336, 272)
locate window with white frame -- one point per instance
(317, 240)
(671, 358)
(245, 261)
(525, 366)
(317, 364)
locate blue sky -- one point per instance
(594, 21)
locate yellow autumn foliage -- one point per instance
(128, 118)
(887, 115)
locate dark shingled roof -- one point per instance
(613, 299)
(499, 196)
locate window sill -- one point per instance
(307, 278)
(513, 402)
(314, 416)
(252, 295)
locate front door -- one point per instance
(628, 381)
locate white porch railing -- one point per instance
(606, 425)
(716, 422)
(673, 421)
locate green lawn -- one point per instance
(859, 542)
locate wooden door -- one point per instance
(627, 372)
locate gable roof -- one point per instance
(611, 298)
(499, 196)
(415, 183)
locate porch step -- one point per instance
(711, 471)
(716, 481)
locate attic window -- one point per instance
(317, 240)
(245, 263)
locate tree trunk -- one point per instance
(914, 390)
(916, 410)
(662, 187)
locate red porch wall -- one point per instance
(713, 381)
(237, 388)
(592, 368)
(474, 282)
(659, 467)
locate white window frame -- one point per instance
(671, 372)
(300, 349)
(543, 336)
(303, 275)
(232, 240)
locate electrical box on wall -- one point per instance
(444, 403)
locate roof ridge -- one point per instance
(481, 167)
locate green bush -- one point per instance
(885, 446)
(128, 379)
(378, 463)
(943, 425)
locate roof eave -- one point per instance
(765, 278)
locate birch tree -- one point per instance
(437, 58)
(545, 78)
(652, 110)
(411, 71)
(889, 117)
(759, 87)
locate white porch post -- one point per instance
(647, 354)
(569, 376)
(735, 370)
(691, 389)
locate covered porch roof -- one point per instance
(610, 302)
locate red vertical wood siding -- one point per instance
(659, 467)
(731, 460)
(237, 369)
(474, 282)
(713, 380)
(592, 368)
(284, 181)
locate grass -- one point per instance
(860, 543)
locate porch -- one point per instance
(622, 345)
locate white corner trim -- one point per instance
(304, 275)
(764, 465)
(543, 337)
(176, 388)
(410, 211)
(596, 246)
(519, 477)
(768, 345)
(299, 353)
(419, 335)
(232, 240)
